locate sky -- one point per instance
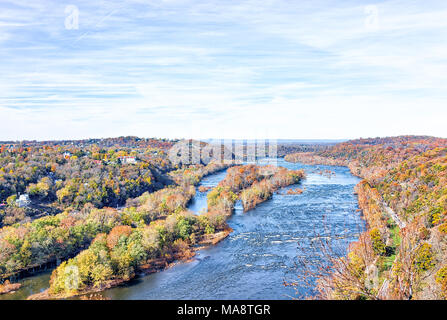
(271, 69)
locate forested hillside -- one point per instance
(108, 209)
(403, 197)
(73, 174)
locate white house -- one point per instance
(128, 160)
(23, 201)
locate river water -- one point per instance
(256, 258)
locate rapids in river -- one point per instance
(256, 258)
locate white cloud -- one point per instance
(249, 69)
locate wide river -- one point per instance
(256, 258)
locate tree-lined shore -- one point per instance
(116, 257)
(403, 199)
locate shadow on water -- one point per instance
(30, 285)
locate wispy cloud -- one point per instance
(232, 69)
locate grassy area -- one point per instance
(395, 236)
(387, 261)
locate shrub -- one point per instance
(184, 227)
(377, 242)
(441, 278)
(356, 265)
(117, 232)
(443, 228)
(436, 216)
(424, 233)
(424, 259)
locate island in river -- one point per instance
(118, 256)
(401, 255)
(256, 258)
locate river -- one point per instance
(256, 258)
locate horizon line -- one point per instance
(211, 139)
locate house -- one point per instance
(23, 201)
(127, 160)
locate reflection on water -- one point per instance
(255, 259)
(30, 285)
(198, 204)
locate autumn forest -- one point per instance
(98, 213)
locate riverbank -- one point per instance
(312, 159)
(8, 287)
(23, 244)
(151, 266)
(262, 246)
(220, 207)
(402, 197)
(260, 253)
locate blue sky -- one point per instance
(222, 69)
